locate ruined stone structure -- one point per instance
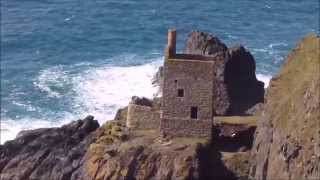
(145, 115)
(187, 102)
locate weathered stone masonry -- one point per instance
(187, 102)
(142, 117)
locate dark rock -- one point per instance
(141, 101)
(233, 138)
(48, 153)
(202, 43)
(243, 88)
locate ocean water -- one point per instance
(64, 59)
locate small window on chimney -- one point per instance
(180, 92)
(194, 112)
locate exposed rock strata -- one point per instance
(287, 144)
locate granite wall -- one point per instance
(186, 128)
(195, 78)
(142, 117)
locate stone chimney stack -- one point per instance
(171, 46)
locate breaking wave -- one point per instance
(83, 89)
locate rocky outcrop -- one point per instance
(81, 151)
(49, 153)
(203, 44)
(139, 154)
(236, 88)
(287, 143)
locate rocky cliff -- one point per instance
(287, 143)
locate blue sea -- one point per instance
(64, 59)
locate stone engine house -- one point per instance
(187, 102)
(186, 108)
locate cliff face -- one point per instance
(287, 143)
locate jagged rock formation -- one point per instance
(236, 88)
(48, 153)
(287, 144)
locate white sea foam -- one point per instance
(10, 128)
(51, 77)
(265, 79)
(28, 107)
(98, 91)
(102, 91)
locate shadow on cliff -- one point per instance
(242, 141)
(212, 165)
(243, 88)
